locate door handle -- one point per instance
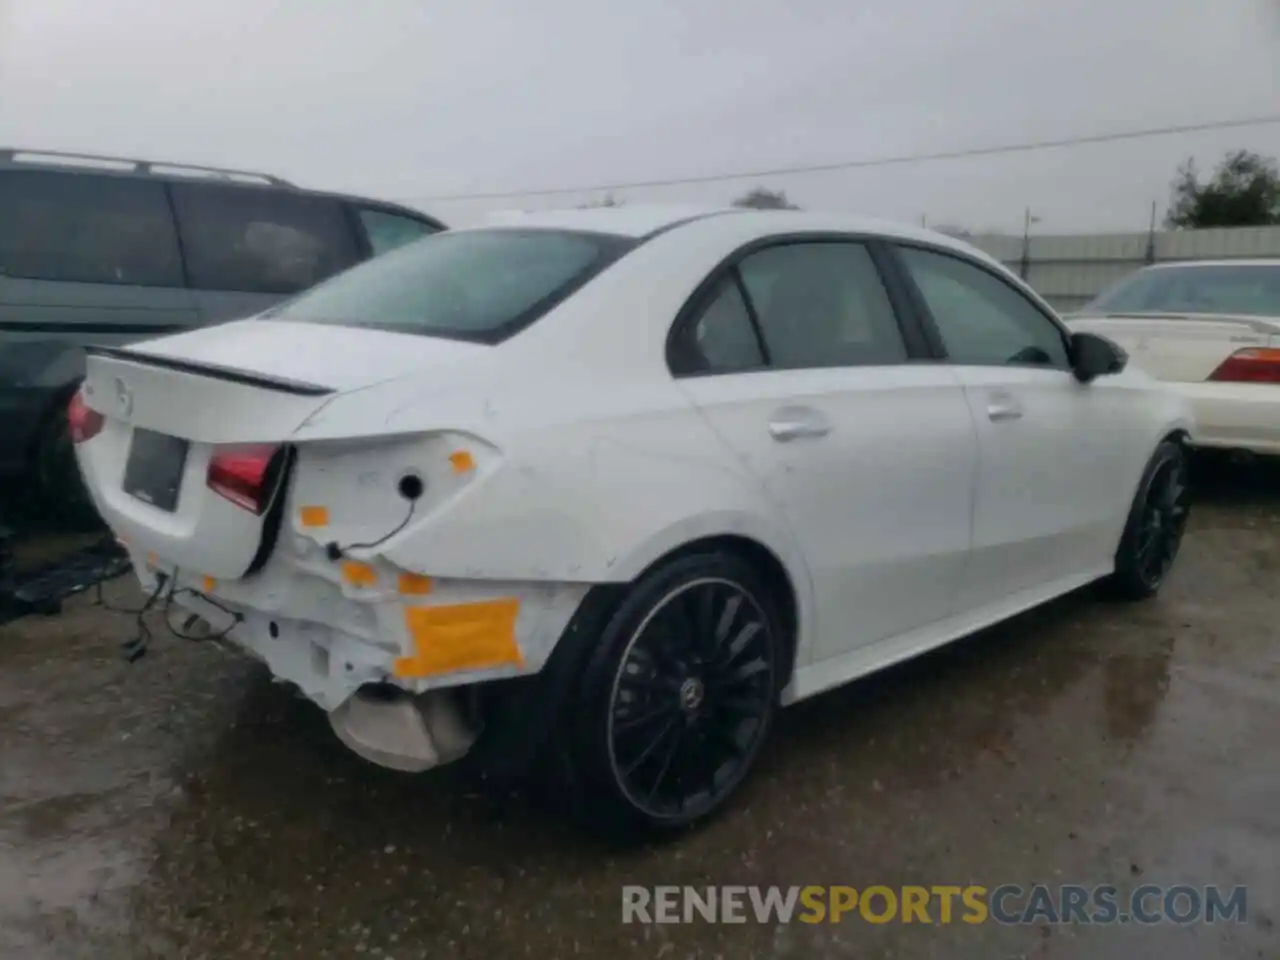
(797, 423)
(1001, 407)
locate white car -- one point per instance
(1211, 329)
(610, 486)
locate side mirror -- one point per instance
(1093, 356)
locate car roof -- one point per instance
(628, 220)
(644, 220)
(18, 159)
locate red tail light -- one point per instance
(244, 476)
(1251, 365)
(83, 423)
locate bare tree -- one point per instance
(762, 198)
(608, 200)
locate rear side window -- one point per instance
(386, 231)
(723, 337)
(474, 284)
(822, 305)
(87, 229)
(260, 241)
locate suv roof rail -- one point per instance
(15, 156)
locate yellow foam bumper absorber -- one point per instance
(359, 574)
(465, 636)
(313, 516)
(414, 585)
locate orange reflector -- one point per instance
(359, 574)
(152, 560)
(207, 584)
(313, 516)
(462, 461)
(414, 585)
(467, 636)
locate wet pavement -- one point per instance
(187, 807)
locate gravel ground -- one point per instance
(185, 806)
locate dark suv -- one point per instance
(106, 251)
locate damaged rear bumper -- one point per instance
(382, 651)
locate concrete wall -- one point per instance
(1068, 271)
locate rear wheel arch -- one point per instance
(532, 707)
(771, 570)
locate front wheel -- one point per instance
(1157, 520)
(679, 695)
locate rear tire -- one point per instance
(1157, 520)
(676, 699)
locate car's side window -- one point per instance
(982, 320)
(260, 241)
(822, 304)
(386, 231)
(723, 339)
(82, 228)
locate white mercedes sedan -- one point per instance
(606, 488)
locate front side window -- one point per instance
(469, 284)
(982, 320)
(254, 240)
(87, 229)
(1241, 289)
(822, 304)
(387, 231)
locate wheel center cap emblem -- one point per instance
(692, 693)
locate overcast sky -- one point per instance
(411, 100)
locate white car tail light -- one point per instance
(83, 422)
(1251, 365)
(244, 475)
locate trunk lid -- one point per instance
(177, 410)
(1181, 347)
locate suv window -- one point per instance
(981, 319)
(260, 241)
(386, 231)
(822, 304)
(87, 229)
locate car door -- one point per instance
(1053, 453)
(796, 355)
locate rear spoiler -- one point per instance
(214, 371)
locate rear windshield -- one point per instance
(480, 285)
(1247, 289)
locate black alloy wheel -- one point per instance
(1164, 519)
(677, 696)
(1156, 524)
(691, 699)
